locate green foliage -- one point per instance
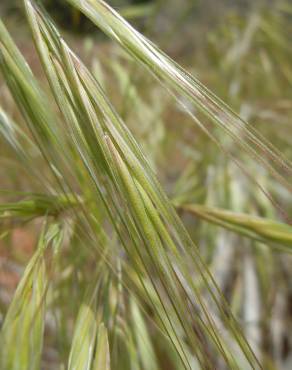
(73, 20)
(154, 299)
(21, 335)
(102, 355)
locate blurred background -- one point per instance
(240, 49)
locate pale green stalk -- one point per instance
(254, 227)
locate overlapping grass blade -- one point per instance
(83, 345)
(181, 82)
(22, 332)
(35, 108)
(61, 167)
(21, 336)
(149, 229)
(102, 353)
(99, 168)
(144, 344)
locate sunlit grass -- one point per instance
(117, 272)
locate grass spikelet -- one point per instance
(182, 84)
(254, 227)
(117, 168)
(21, 336)
(37, 205)
(102, 353)
(83, 345)
(125, 222)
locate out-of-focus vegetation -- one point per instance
(72, 19)
(144, 224)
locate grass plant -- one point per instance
(117, 280)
